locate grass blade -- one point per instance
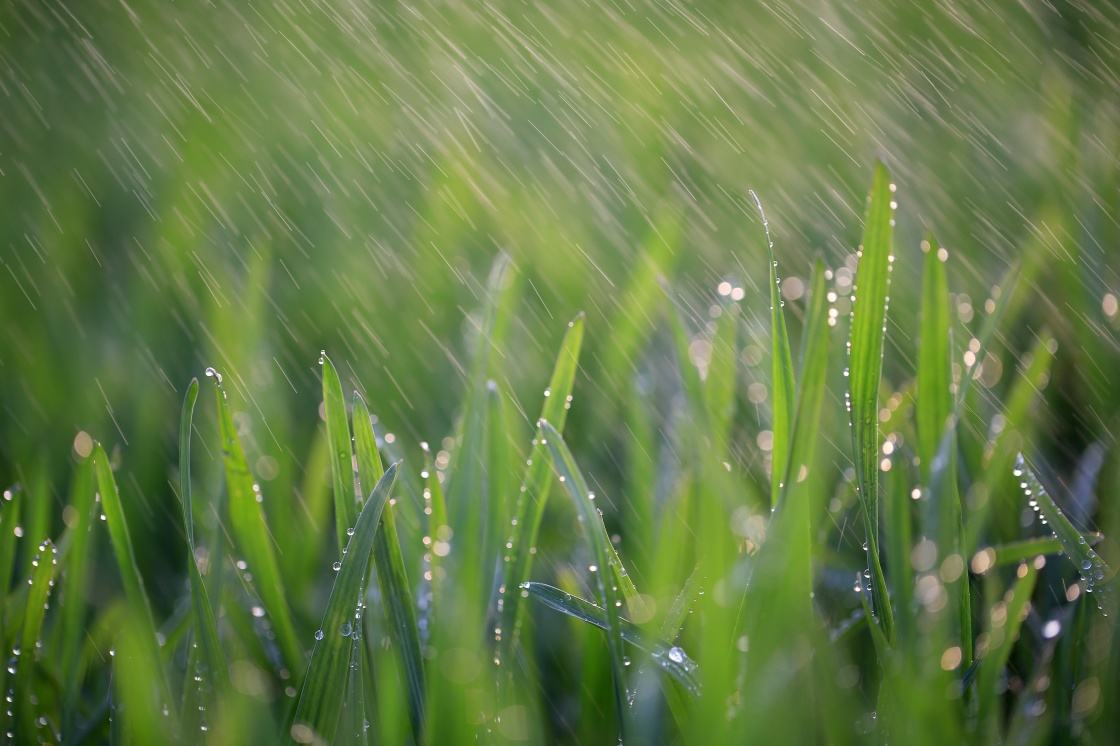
(865, 368)
(75, 581)
(391, 576)
(342, 461)
(42, 568)
(140, 609)
(205, 629)
(533, 495)
(592, 522)
(324, 687)
(781, 371)
(250, 531)
(1094, 571)
(668, 657)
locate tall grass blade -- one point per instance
(391, 576)
(592, 522)
(1006, 618)
(140, 609)
(75, 581)
(342, 461)
(205, 628)
(324, 686)
(251, 535)
(781, 370)
(532, 497)
(865, 367)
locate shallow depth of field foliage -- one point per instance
(656, 372)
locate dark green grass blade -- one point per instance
(391, 576)
(205, 628)
(251, 535)
(592, 522)
(932, 411)
(324, 686)
(43, 565)
(668, 657)
(139, 607)
(75, 579)
(781, 371)
(1094, 571)
(342, 462)
(865, 367)
(532, 497)
(9, 540)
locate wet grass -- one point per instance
(855, 562)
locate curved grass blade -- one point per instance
(781, 371)
(205, 628)
(139, 607)
(1094, 571)
(43, 566)
(668, 657)
(1019, 551)
(865, 368)
(607, 561)
(391, 576)
(251, 534)
(342, 461)
(533, 495)
(324, 686)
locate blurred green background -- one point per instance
(242, 184)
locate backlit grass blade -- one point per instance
(1094, 571)
(391, 576)
(139, 607)
(1020, 551)
(75, 580)
(720, 384)
(324, 686)
(932, 411)
(42, 568)
(205, 629)
(870, 294)
(781, 370)
(251, 535)
(342, 461)
(666, 656)
(532, 497)
(592, 522)
(9, 540)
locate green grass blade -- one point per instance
(9, 540)
(1019, 551)
(865, 368)
(75, 580)
(391, 576)
(324, 686)
(668, 657)
(342, 461)
(781, 371)
(42, 568)
(533, 494)
(932, 411)
(205, 628)
(121, 541)
(1094, 571)
(251, 535)
(592, 522)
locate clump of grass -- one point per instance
(734, 616)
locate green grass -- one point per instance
(405, 616)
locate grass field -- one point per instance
(644, 372)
